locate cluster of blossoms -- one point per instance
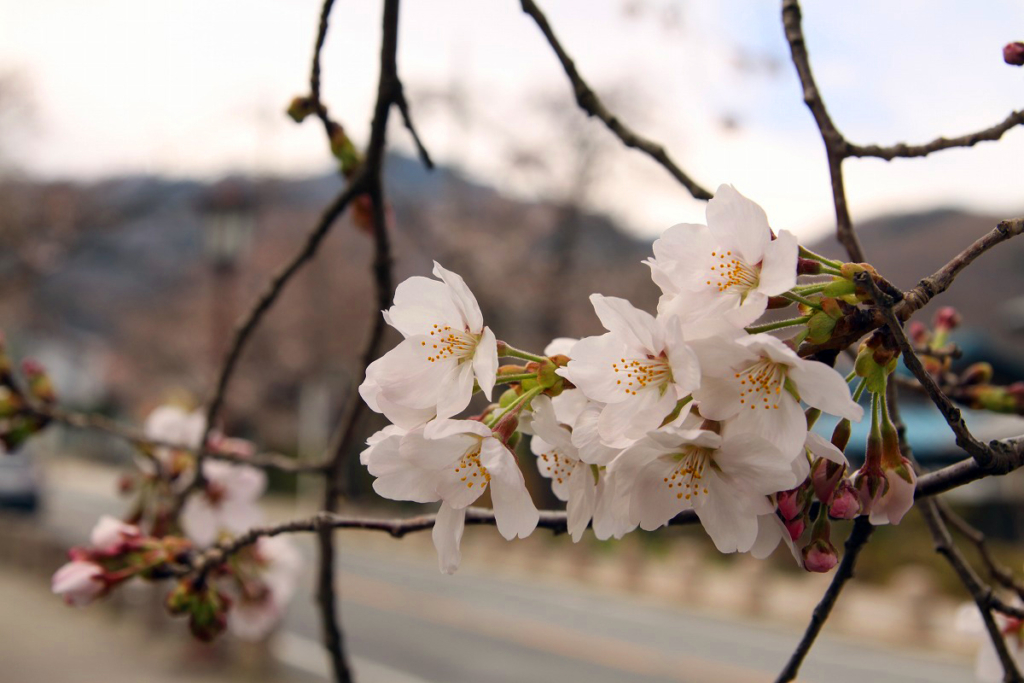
(248, 593)
(694, 408)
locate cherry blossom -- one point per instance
(987, 667)
(110, 534)
(727, 268)
(446, 348)
(572, 480)
(726, 480)
(762, 386)
(227, 503)
(455, 462)
(639, 370)
(79, 582)
(256, 613)
(174, 425)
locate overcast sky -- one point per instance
(197, 88)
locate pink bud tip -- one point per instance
(1013, 54)
(820, 558)
(947, 318)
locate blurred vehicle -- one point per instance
(20, 481)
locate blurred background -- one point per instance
(150, 182)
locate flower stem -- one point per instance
(516, 405)
(778, 325)
(507, 350)
(519, 377)
(813, 288)
(801, 300)
(808, 254)
(859, 390)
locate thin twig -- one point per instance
(983, 596)
(940, 281)
(905, 151)
(552, 520)
(389, 93)
(314, 71)
(252, 319)
(835, 143)
(980, 592)
(589, 102)
(999, 573)
(985, 456)
(100, 423)
(860, 535)
(403, 108)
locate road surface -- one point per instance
(407, 623)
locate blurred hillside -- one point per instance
(115, 287)
(114, 282)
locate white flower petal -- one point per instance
(820, 447)
(582, 496)
(463, 299)
(636, 328)
(455, 391)
(514, 511)
(738, 223)
(785, 428)
(778, 269)
(822, 387)
(421, 303)
(652, 503)
(447, 535)
(726, 518)
(485, 362)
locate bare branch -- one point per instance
(859, 537)
(984, 455)
(252, 319)
(940, 281)
(314, 71)
(980, 592)
(996, 571)
(403, 107)
(553, 520)
(903, 150)
(589, 102)
(835, 143)
(100, 423)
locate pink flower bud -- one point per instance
(918, 332)
(947, 319)
(795, 528)
(825, 475)
(845, 502)
(1013, 54)
(78, 582)
(871, 485)
(789, 504)
(820, 556)
(110, 534)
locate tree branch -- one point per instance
(980, 592)
(944, 545)
(938, 282)
(100, 423)
(553, 520)
(252, 319)
(983, 455)
(589, 102)
(859, 537)
(1000, 574)
(905, 151)
(835, 143)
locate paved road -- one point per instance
(407, 623)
